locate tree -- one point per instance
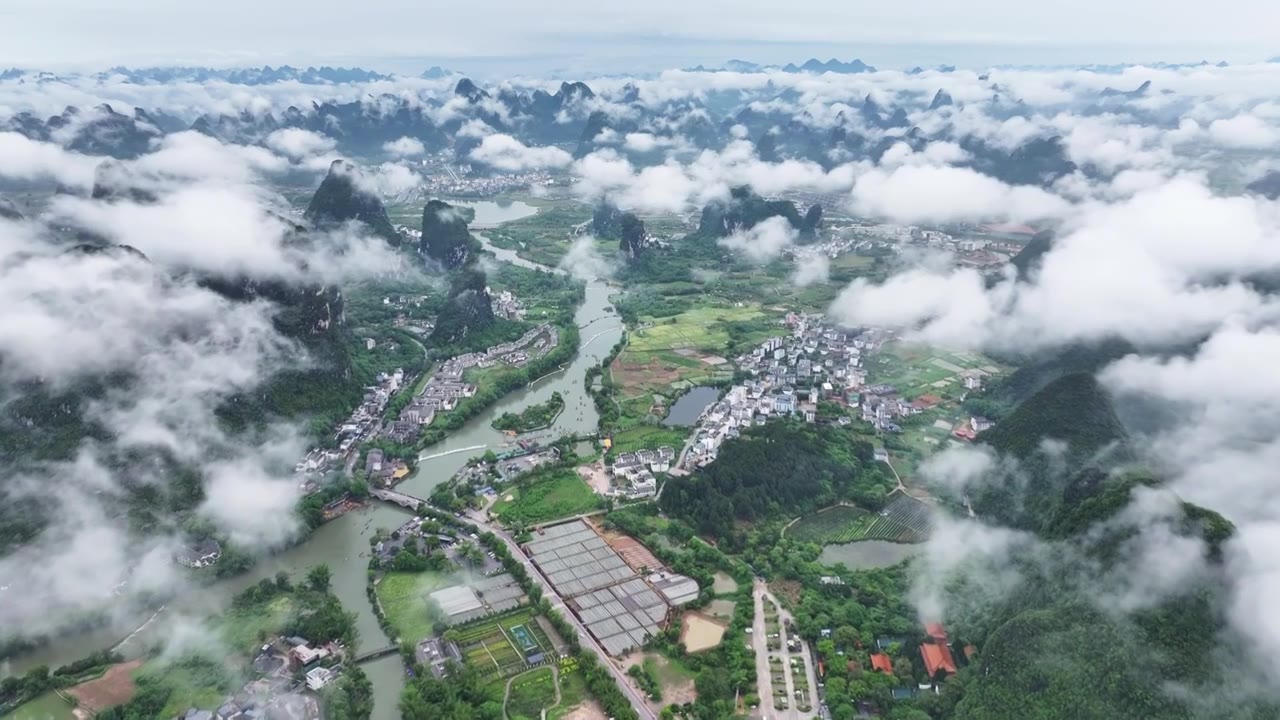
(318, 578)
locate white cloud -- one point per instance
(404, 147)
(507, 153)
(764, 241)
(811, 269)
(298, 143)
(1244, 131)
(26, 159)
(914, 193)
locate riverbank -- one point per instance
(343, 543)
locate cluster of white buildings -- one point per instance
(364, 422)
(632, 473)
(789, 375)
(446, 387)
(508, 306)
(458, 181)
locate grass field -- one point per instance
(242, 627)
(573, 692)
(46, 707)
(560, 493)
(701, 328)
(647, 437)
(531, 693)
(404, 600)
(191, 687)
(903, 520)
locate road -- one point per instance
(764, 673)
(633, 696)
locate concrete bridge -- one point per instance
(375, 654)
(405, 501)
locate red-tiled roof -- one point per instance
(937, 657)
(936, 631)
(881, 662)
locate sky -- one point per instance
(504, 36)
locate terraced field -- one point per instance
(903, 520)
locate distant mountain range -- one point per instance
(578, 117)
(812, 65)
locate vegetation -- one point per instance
(780, 469)
(534, 417)
(351, 698)
(647, 678)
(546, 494)
(531, 693)
(403, 597)
(339, 199)
(15, 691)
(497, 382)
(168, 688)
(1074, 410)
(904, 519)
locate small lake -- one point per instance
(867, 554)
(490, 213)
(690, 405)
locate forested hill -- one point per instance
(1046, 649)
(781, 469)
(745, 209)
(1064, 440)
(340, 199)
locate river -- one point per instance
(343, 544)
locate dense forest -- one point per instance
(1046, 651)
(779, 469)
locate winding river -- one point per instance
(344, 543)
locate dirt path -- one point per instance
(555, 684)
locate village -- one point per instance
(818, 363)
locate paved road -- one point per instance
(764, 676)
(633, 696)
(759, 641)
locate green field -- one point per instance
(555, 494)
(840, 524)
(243, 628)
(903, 520)
(404, 600)
(573, 692)
(190, 684)
(531, 693)
(701, 328)
(647, 437)
(46, 707)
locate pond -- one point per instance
(867, 554)
(490, 213)
(690, 405)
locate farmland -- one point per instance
(903, 520)
(703, 327)
(499, 646)
(553, 494)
